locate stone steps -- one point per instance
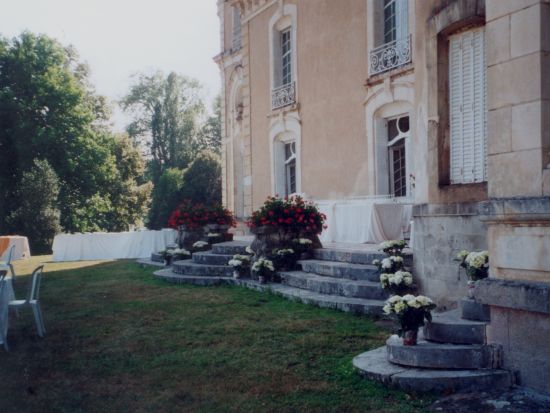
(230, 247)
(333, 286)
(472, 310)
(355, 256)
(338, 269)
(375, 365)
(347, 304)
(208, 258)
(450, 328)
(188, 267)
(427, 354)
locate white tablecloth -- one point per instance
(105, 246)
(5, 297)
(365, 221)
(22, 250)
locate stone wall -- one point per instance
(440, 232)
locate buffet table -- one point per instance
(105, 246)
(22, 250)
(365, 221)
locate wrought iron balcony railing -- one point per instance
(390, 55)
(283, 96)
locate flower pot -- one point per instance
(410, 338)
(167, 261)
(236, 274)
(262, 279)
(471, 289)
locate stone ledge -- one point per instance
(454, 209)
(516, 208)
(518, 295)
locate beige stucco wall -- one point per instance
(332, 67)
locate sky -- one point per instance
(119, 38)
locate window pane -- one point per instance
(290, 173)
(286, 55)
(389, 21)
(398, 170)
(392, 129)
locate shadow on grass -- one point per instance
(120, 340)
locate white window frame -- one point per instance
(468, 107)
(286, 56)
(284, 18)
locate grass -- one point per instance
(121, 341)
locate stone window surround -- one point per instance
(374, 14)
(457, 16)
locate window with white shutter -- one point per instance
(468, 108)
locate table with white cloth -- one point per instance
(21, 251)
(6, 296)
(105, 246)
(367, 221)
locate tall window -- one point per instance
(468, 107)
(395, 20)
(286, 57)
(398, 132)
(237, 35)
(290, 168)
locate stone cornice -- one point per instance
(249, 7)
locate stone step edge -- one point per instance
(374, 365)
(328, 278)
(346, 304)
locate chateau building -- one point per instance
(439, 109)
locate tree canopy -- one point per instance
(49, 111)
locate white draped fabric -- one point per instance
(6, 296)
(106, 246)
(365, 221)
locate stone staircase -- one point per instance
(452, 355)
(340, 279)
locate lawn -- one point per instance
(121, 341)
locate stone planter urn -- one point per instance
(223, 230)
(410, 337)
(187, 237)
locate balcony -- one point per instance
(390, 56)
(283, 96)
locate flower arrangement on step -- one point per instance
(263, 269)
(393, 275)
(201, 246)
(303, 247)
(174, 254)
(215, 237)
(194, 220)
(393, 247)
(240, 264)
(411, 312)
(281, 220)
(284, 259)
(193, 216)
(476, 264)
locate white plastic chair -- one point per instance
(7, 265)
(3, 329)
(33, 301)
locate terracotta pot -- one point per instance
(410, 338)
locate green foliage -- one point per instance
(166, 112)
(210, 134)
(165, 198)
(202, 181)
(37, 216)
(49, 110)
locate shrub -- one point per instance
(37, 217)
(165, 197)
(202, 181)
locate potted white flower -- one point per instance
(263, 269)
(411, 312)
(201, 246)
(476, 264)
(303, 246)
(398, 282)
(240, 264)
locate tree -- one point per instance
(165, 198)
(166, 113)
(36, 215)
(50, 111)
(202, 181)
(210, 135)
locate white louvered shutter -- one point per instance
(401, 19)
(468, 109)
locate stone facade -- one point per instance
(338, 112)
